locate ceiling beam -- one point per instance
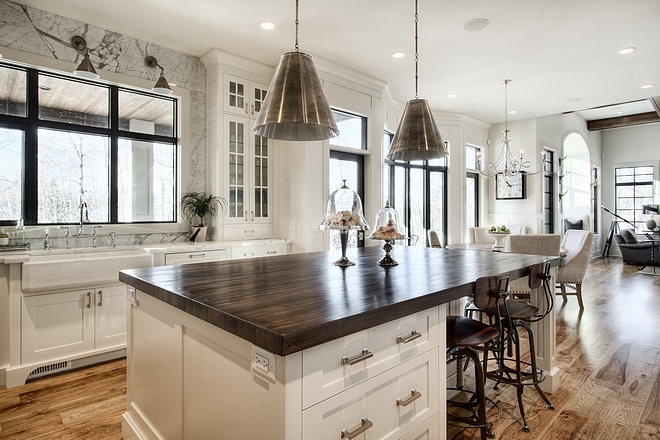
(655, 102)
(623, 121)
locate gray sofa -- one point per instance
(634, 251)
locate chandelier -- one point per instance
(506, 164)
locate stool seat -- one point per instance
(517, 310)
(468, 332)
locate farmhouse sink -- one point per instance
(76, 269)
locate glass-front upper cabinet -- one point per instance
(242, 96)
(247, 179)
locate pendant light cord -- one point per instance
(416, 54)
(506, 106)
(297, 48)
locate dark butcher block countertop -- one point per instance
(287, 303)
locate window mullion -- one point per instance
(114, 153)
(30, 166)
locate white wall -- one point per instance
(534, 135)
(631, 146)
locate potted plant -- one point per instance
(197, 206)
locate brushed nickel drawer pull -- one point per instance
(364, 425)
(251, 254)
(414, 395)
(100, 298)
(366, 354)
(196, 255)
(405, 339)
(271, 252)
(89, 300)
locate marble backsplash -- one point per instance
(42, 33)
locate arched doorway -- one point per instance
(575, 181)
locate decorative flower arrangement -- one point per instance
(499, 230)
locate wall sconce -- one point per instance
(561, 195)
(86, 68)
(564, 175)
(161, 85)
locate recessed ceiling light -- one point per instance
(267, 25)
(511, 112)
(398, 54)
(475, 25)
(451, 95)
(572, 100)
(647, 86)
(627, 50)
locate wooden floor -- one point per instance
(609, 357)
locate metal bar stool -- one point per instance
(512, 315)
(464, 337)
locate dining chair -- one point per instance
(574, 265)
(531, 244)
(434, 240)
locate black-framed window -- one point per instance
(352, 130)
(418, 191)
(66, 141)
(596, 200)
(549, 192)
(633, 187)
(472, 185)
(348, 167)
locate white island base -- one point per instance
(188, 379)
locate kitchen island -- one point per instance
(292, 347)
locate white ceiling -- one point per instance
(553, 50)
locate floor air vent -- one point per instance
(50, 369)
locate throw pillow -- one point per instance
(629, 236)
(572, 225)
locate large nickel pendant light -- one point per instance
(296, 108)
(417, 137)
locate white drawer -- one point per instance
(265, 250)
(323, 372)
(195, 257)
(248, 231)
(376, 401)
(428, 430)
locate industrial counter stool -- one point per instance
(509, 366)
(464, 337)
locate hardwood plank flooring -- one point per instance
(609, 356)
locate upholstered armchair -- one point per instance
(532, 244)
(577, 244)
(634, 251)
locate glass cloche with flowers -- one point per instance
(387, 228)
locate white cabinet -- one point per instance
(385, 407)
(247, 183)
(242, 96)
(195, 257)
(55, 325)
(262, 250)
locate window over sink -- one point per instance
(67, 141)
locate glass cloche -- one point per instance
(387, 228)
(344, 212)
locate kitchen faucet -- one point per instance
(83, 209)
(47, 241)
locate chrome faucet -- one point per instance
(67, 235)
(47, 241)
(94, 234)
(85, 217)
